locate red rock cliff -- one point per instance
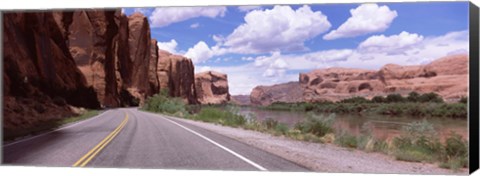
(40, 76)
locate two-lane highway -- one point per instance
(129, 138)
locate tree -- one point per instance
(394, 98)
(430, 97)
(378, 99)
(413, 97)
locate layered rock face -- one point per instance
(447, 76)
(287, 92)
(176, 74)
(40, 75)
(212, 88)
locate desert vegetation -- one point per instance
(414, 105)
(418, 141)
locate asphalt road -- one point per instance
(128, 138)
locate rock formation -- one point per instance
(211, 88)
(287, 92)
(40, 76)
(447, 76)
(242, 100)
(175, 73)
(57, 61)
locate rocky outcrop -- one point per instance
(445, 76)
(176, 74)
(152, 69)
(40, 76)
(91, 37)
(211, 88)
(287, 92)
(242, 100)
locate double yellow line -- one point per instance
(92, 153)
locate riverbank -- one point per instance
(418, 141)
(324, 157)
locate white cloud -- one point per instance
(164, 16)
(199, 53)
(168, 46)
(248, 8)
(365, 19)
(275, 68)
(394, 44)
(144, 11)
(194, 25)
(279, 29)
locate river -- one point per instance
(382, 126)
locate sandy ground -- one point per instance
(325, 157)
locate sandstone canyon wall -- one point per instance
(447, 76)
(40, 75)
(56, 61)
(212, 88)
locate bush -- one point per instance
(215, 115)
(281, 128)
(430, 97)
(394, 98)
(164, 104)
(418, 142)
(463, 100)
(346, 140)
(316, 124)
(355, 100)
(413, 97)
(378, 99)
(270, 123)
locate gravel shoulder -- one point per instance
(324, 157)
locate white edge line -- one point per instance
(58, 129)
(218, 145)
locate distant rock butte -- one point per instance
(240, 99)
(287, 92)
(211, 88)
(447, 76)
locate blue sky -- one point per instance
(265, 45)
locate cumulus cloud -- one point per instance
(394, 44)
(279, 29)
(365, 19)
(164, 16)
(248, 8)
(168, 46)
(199, 53)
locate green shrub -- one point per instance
(216, 115)
(378, 99)
(281, 128)
(164, 104)
(345, 139)
(394, 98)
(413, 97)
(418, 142)
(270, 123)
(430, 97)
(316, 124)
(355, 100)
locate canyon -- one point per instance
(446, 76)
(57, 62)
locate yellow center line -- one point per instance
(93, 152)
